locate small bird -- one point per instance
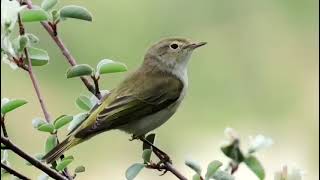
(145, 100)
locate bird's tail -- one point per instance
(57, 151)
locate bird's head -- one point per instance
(171, 53)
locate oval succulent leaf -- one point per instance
(34, 15)
(80, 169)
(77, 120)
(146, 155)
(37, 122)
(255, 166)
(151, 138)
(212, 168)
(33, 39)
(46, 128)
(11, 105)
(110, 66)
(79, 70)
(61, 121)
(51, 143)
(134, 170)
(76, 12)
(194, 166)
(63, 164)
(84, 103)
(48, 4)
(233, 151)
(39, 57)
(23, 42)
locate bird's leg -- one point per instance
(161, 155)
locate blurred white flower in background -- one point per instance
(231, 134)
(294, 174)
(6, 60)
(259, 142)
(9, 14)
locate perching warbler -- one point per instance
(145, 100)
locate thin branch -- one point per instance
(51, 172)
(14, 172)
(165, 161)
(96, 85)
(32, 76)
(65, 51)
(36, 85)
(3, 127)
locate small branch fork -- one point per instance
(165, 163)
(52, 30)
(51, 172)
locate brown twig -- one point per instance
(32, 76)
(52, 173)
(165, 163)
(14, 172)
(96, 85)
(3, 127)
(65, 51)
(36, 85)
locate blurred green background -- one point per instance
(258, 74)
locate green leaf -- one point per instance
(194, 165)
(76, 12)
(37, 122)
(196, 177)
(64, 163)
(80, 169)
(151, 138)
(61, 121)
(46, 128)
(77, 120)
(55, 16)
(134, 170)
(34, 15)
(39, 57)
(79, 70)
(109, 66)
(254, 164)
(33, 39)
(11, 105)
(84, 103)
(212, 168)
(51, 143)
(233, 151)
(23, 42)
(146, 155)
(48, 4)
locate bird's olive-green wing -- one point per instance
(132, 104)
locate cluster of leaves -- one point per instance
(231, 149)
(7, 106)
(13, 52)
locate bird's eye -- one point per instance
(174, 46)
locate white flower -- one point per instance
(231, 134)
(259, 142)
(4, 101)
(7, 46)
(6, 60)
(294, 174)
(9, 14)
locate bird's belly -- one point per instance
(150, 122)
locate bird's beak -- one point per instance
(194, 45)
